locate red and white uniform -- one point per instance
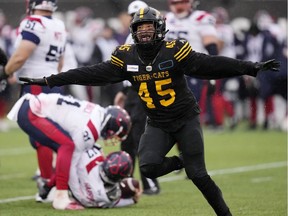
(81, 119)
(192, 28)
(87, 186)
(49, 34)
(62, 123)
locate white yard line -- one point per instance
(233, 170)
(15, 199)
(180, 177)
(16, 151)
(12, 176)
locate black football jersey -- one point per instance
(160, 84)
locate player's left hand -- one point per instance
(271, 64)
(3, 62)
(3, 75)
(138, 194)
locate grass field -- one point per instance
(249, 166)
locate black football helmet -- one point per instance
(47, 5)
(148, 15)
(117, 166)
(116, 123)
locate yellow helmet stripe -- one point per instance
(141, 13)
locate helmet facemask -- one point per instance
(145, 32)
(155, 26)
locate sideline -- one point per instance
(180, 177)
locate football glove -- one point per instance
(33, 81)
(3, 75)
(271, 64)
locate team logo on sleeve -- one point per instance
(183, 52)
(116, 61)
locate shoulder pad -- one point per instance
(204, 17)
(32, 24)
(182, 50)
(117, 57)
(125, 48)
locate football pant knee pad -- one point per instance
(150, 171)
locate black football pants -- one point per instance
(155, 143)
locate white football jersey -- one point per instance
(81, 119)
(226, 34)
(86, 184)
(85, 181)
(50, 36)
(191, 28)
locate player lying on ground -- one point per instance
(99, 182)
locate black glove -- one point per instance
(3, 75)
(268, 65)
(3, 57)
(32, 81)
(3, 62)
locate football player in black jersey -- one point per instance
(156, 70)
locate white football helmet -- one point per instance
(46, 5)
(135, 6)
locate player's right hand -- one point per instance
(3, 79)
(33, 81)
(271, 64)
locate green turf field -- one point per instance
(249, 166)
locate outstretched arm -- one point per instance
(100, 74)
(216, 67)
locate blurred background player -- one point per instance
(259, 45)
(5, 88)
(67, 126)
(82, 34)
(225, 97)
(128, 98)
(39, 50)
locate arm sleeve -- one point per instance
(202, 66)
(99, 74)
